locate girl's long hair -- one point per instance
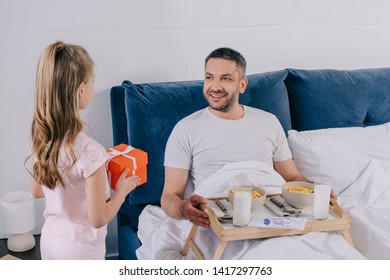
(56, 121)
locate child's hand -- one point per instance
(128, 184)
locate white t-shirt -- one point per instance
(66, 208)
(204, 143)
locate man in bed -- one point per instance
(224, 132)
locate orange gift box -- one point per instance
(124, 156)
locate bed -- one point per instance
(337, 123)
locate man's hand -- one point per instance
(333, 195)
(192, 212)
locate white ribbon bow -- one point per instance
(113, 153)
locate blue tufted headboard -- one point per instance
(143, 115)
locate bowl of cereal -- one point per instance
(258, 197)
(298, 194)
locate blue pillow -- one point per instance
(153, 109)
(338, 98)
(268, 92)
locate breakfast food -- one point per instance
(255, 194)
(300, 190)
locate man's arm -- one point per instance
(172, 198)
(289, 171)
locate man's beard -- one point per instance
(225, 107)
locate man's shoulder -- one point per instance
(252, 111)
(194, 117)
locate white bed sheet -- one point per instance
(163, 237)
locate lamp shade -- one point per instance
(18, 212)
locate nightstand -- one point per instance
(33, 254)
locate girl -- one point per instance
(69, 167)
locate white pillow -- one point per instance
(338, 155)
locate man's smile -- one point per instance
(217, 95)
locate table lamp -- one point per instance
(18, 212)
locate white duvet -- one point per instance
(367, 201)
(163, 237)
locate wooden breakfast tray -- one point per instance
(341, 221)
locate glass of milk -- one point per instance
(242, 205)
(321, 200)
